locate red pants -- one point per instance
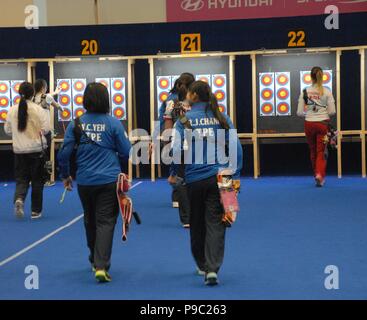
(315, 133)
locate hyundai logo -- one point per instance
(192, 5)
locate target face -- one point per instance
(222, 108)
(118, 85)
(283, 94)
(282, 79)
(64, 100)
(267, 80)
(119, 113)
(118, 98)
(163, 83)
(4, 102)
(16, 87)
(326, 77)
(220, 95)
(283, 108)
(3, 115)
(78, 99)
(219, 81)
(4, 87)
(163, 96)
(79, 86)
(65, 114)
(204, 79)
(104, 83)
(307, 79)
(64, 85)
(267, 108)
(267, 94)
(79, 112)
(16, 100)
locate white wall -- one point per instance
(83, 12)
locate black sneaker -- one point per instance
(211, 279)
(36, 215)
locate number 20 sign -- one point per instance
(191, 43)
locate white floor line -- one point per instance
(50, 235)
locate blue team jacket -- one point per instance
(98, 163)
(204, 123)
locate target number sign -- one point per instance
(89, 47)
(297, 39)
(191, 43)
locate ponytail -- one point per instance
(317, 79)
(26, 92)
(204, 93)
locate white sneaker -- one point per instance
(19, 209)
(200, 272)
(36, 215)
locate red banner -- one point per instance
(203, 10)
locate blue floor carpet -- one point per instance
(287, 233)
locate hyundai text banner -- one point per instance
(201, 10)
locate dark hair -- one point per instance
(26, 92)
(96, 98)
(39, 85)
(317, 78)
(182, 84)
(204, 93)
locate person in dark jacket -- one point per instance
(104, 145)
(202, 165)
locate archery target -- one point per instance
(219, 89)
(14, 85)
(106, 82)
(78, 88)
(5, 100)
(306, 80)
(65, 99)
(164, 85)
(266, 94)
(118, 98)
(283, 93)
(204, 77)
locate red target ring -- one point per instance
(222, 108)
(118, 98)
(307, 78)
(3, 115)
(219, 81)
(4, 102)
(79, 112)
(78, 99)
(220, 95)
(267, 108)
(16, 100)
(163, 83)
(118, 85)
(163, 96)
(4, 88)
(282, 79)
(16, 87)
(64, 85)
(326, 77)
(266, 80)
(283, 108)
(283, 93)
(64, 100)
(65, 114)
(204, 79)
(119, 113)
(267, 94)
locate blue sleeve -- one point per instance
(66, 151)
(123, 145)
(239, 160)
(177, 146)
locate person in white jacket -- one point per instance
(317, 105)
(27, 123)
